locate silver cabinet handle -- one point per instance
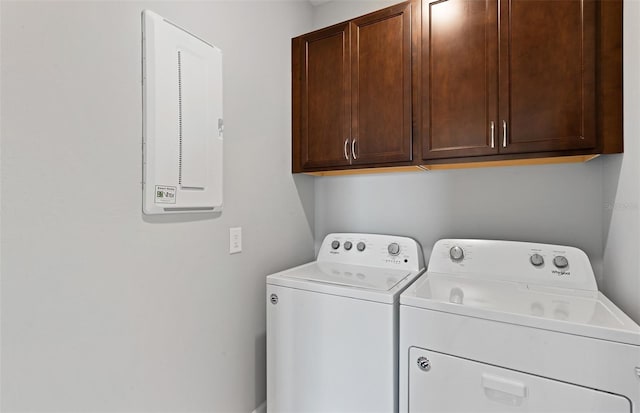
(346, 145)
(504, 133)
(353, 148)
(493, 134)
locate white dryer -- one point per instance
(332, 326)
(499, 326)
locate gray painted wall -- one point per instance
(104, 309)
(622, 185)
(337, 11)
(554, 204)
(592, 206)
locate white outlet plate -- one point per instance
(235, 240)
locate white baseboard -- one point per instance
(262, 408)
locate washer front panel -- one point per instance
(329, 354)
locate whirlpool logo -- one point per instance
(561, 273)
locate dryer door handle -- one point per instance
(503, 390)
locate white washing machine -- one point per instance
(499, 326)
(332, 326)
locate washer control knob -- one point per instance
(348, 245)
(537, 260)
(335, 245)
(456, 253)
(394, 248)
(561, 261)
(361, 246)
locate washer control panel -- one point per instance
(375, 250)
(540, 264)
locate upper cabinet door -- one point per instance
(459, 78)
(324, 93)
(381, 86)
(547, 75)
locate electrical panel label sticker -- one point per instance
(165, 194)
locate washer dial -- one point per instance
(536, 260)
(348, 245)
(456, 253)
(361, 246)
(394, 248)
(335, 244)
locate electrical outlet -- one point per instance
(235, 240)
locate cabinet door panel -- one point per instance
(325, 100)
(547, 83)
(381, 81)
(459, 78)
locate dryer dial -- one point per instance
(561, 261)
(456, 253)
(536, 260)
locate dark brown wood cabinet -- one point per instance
(507, 77)
(444, 83)
(547, 75)
(324, 112)
(352, 93)
(459, 58)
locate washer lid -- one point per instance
(355, 281)
(356, 276)
(579, 312)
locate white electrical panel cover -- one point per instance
(182, 120)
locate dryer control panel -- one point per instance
(372, 250)
(540, 265)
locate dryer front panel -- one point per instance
(442, 383)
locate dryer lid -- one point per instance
(580, 312)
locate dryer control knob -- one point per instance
(561, 261)
(347, 245)
(361, 246)
(394, 248)
(537, 260)
(335, 245)
(456, 253)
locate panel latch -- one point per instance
(220, 126)
(424, 364)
